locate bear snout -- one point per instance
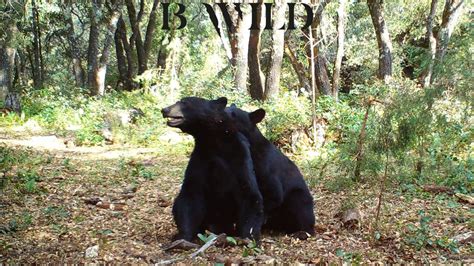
(165, 111)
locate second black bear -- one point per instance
(219, 187)
(288, 203)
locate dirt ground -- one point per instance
(119, 200)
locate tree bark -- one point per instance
(93, 50)
(37, 67)
(315, 53)
(383, 39)
(256, 78)
(298, 67)
(432, 43)
(78, 70)
(125, 63)
(451, 13)
(150, 29)
(272, 84)
(136, 37)
(341, 17)
(240, 51)
(104, 58)
(7, 65)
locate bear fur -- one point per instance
(288, 204)
(219, 189)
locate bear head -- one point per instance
(245, 122)
(197, 116)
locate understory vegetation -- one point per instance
(393, 148)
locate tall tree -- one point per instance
(451, 13)
(37, 64)
(142, 46)
(298, 67)
(341, 17)
(432, 43)
(383, 39)
(78, 70)
(256, 78)
(125, 62)
(93, 49)
(315, 54)
(272, 83)
(7, 64)
(98, 65)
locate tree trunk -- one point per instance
(256, 78)
(315, 53)
(78, 70)
(121, 60)
(451, 13)
(37, 67)
(272, 84)
(150, 29)
(124, 54)
(432, 43)
(341, 17)
(383, 39)
(104, 58)
(93, 49)
(298, 67)
(240, 50)
(7, 64)
(136, 37)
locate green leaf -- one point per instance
(340, 252)
(231, 240)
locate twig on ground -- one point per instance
(205, 246)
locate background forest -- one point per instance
(373, 101)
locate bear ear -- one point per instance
(220, 103)
(233, 105)
(257, 116)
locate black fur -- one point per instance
(219, 188)
(288, 203)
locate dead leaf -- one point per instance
(465, 198)
(181, 244)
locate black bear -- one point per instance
(288, 204)
(219, 187)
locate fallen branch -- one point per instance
(204, 247)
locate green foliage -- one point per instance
(349, 257)
(421, 236)
(251, 249)
(16, 224)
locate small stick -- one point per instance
(204, 247)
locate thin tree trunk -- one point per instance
(78, 70)
(240, 50)
(298, 67)
(7, 65)
(360, 143)
(383, 39)
(121, 60)
(272, 84)
(341, 13)
(320, 61)
(136, 37)
(451, 13)
(256, 78)
(93, 50)
(432, 43)
(150, 29)
(104, 58)
(313, 81)
(38, 60)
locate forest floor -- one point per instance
(117, 201)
